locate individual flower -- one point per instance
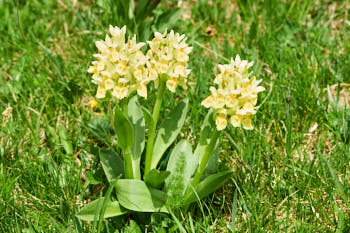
(93, 103)
(235, 96)
(167, 58)
(120, 68)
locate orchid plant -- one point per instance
(122, 73)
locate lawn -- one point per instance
(291, 173)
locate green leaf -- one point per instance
(90, 177)
(135, 195)
(138, 123)
(144, 30)
(88, 212)
(112, 164)
(182, 164)
(132, 228)
(99, 127)
(156, 178)
(148, 117)
(53, 134)
(168, 131)
(142, 10)
(65, 141)
(123, 9)
(234, 211)
(212, 163)
(101, 213)
(168, 19)
(209, 185)
(205, 135)
(124, 130)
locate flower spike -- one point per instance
(236, 94)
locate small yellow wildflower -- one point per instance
(120, 68)
(168, 57)
(93, 103)
(235, 96)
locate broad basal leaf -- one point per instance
(112, 164)
(137, 196)
(89, 211)
(168, 131)
(181, 165)
(156, 178)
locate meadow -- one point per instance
(291, 173)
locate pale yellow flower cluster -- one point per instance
(120, 68)
(168, 57)
(236, 95)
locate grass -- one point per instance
(291, 172)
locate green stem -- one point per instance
(132, 171)
(203, 163)
(128, 164)
(152, 132)
(136, 171)
(112, 120)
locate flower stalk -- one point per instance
(203, 163)
(152, 132)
